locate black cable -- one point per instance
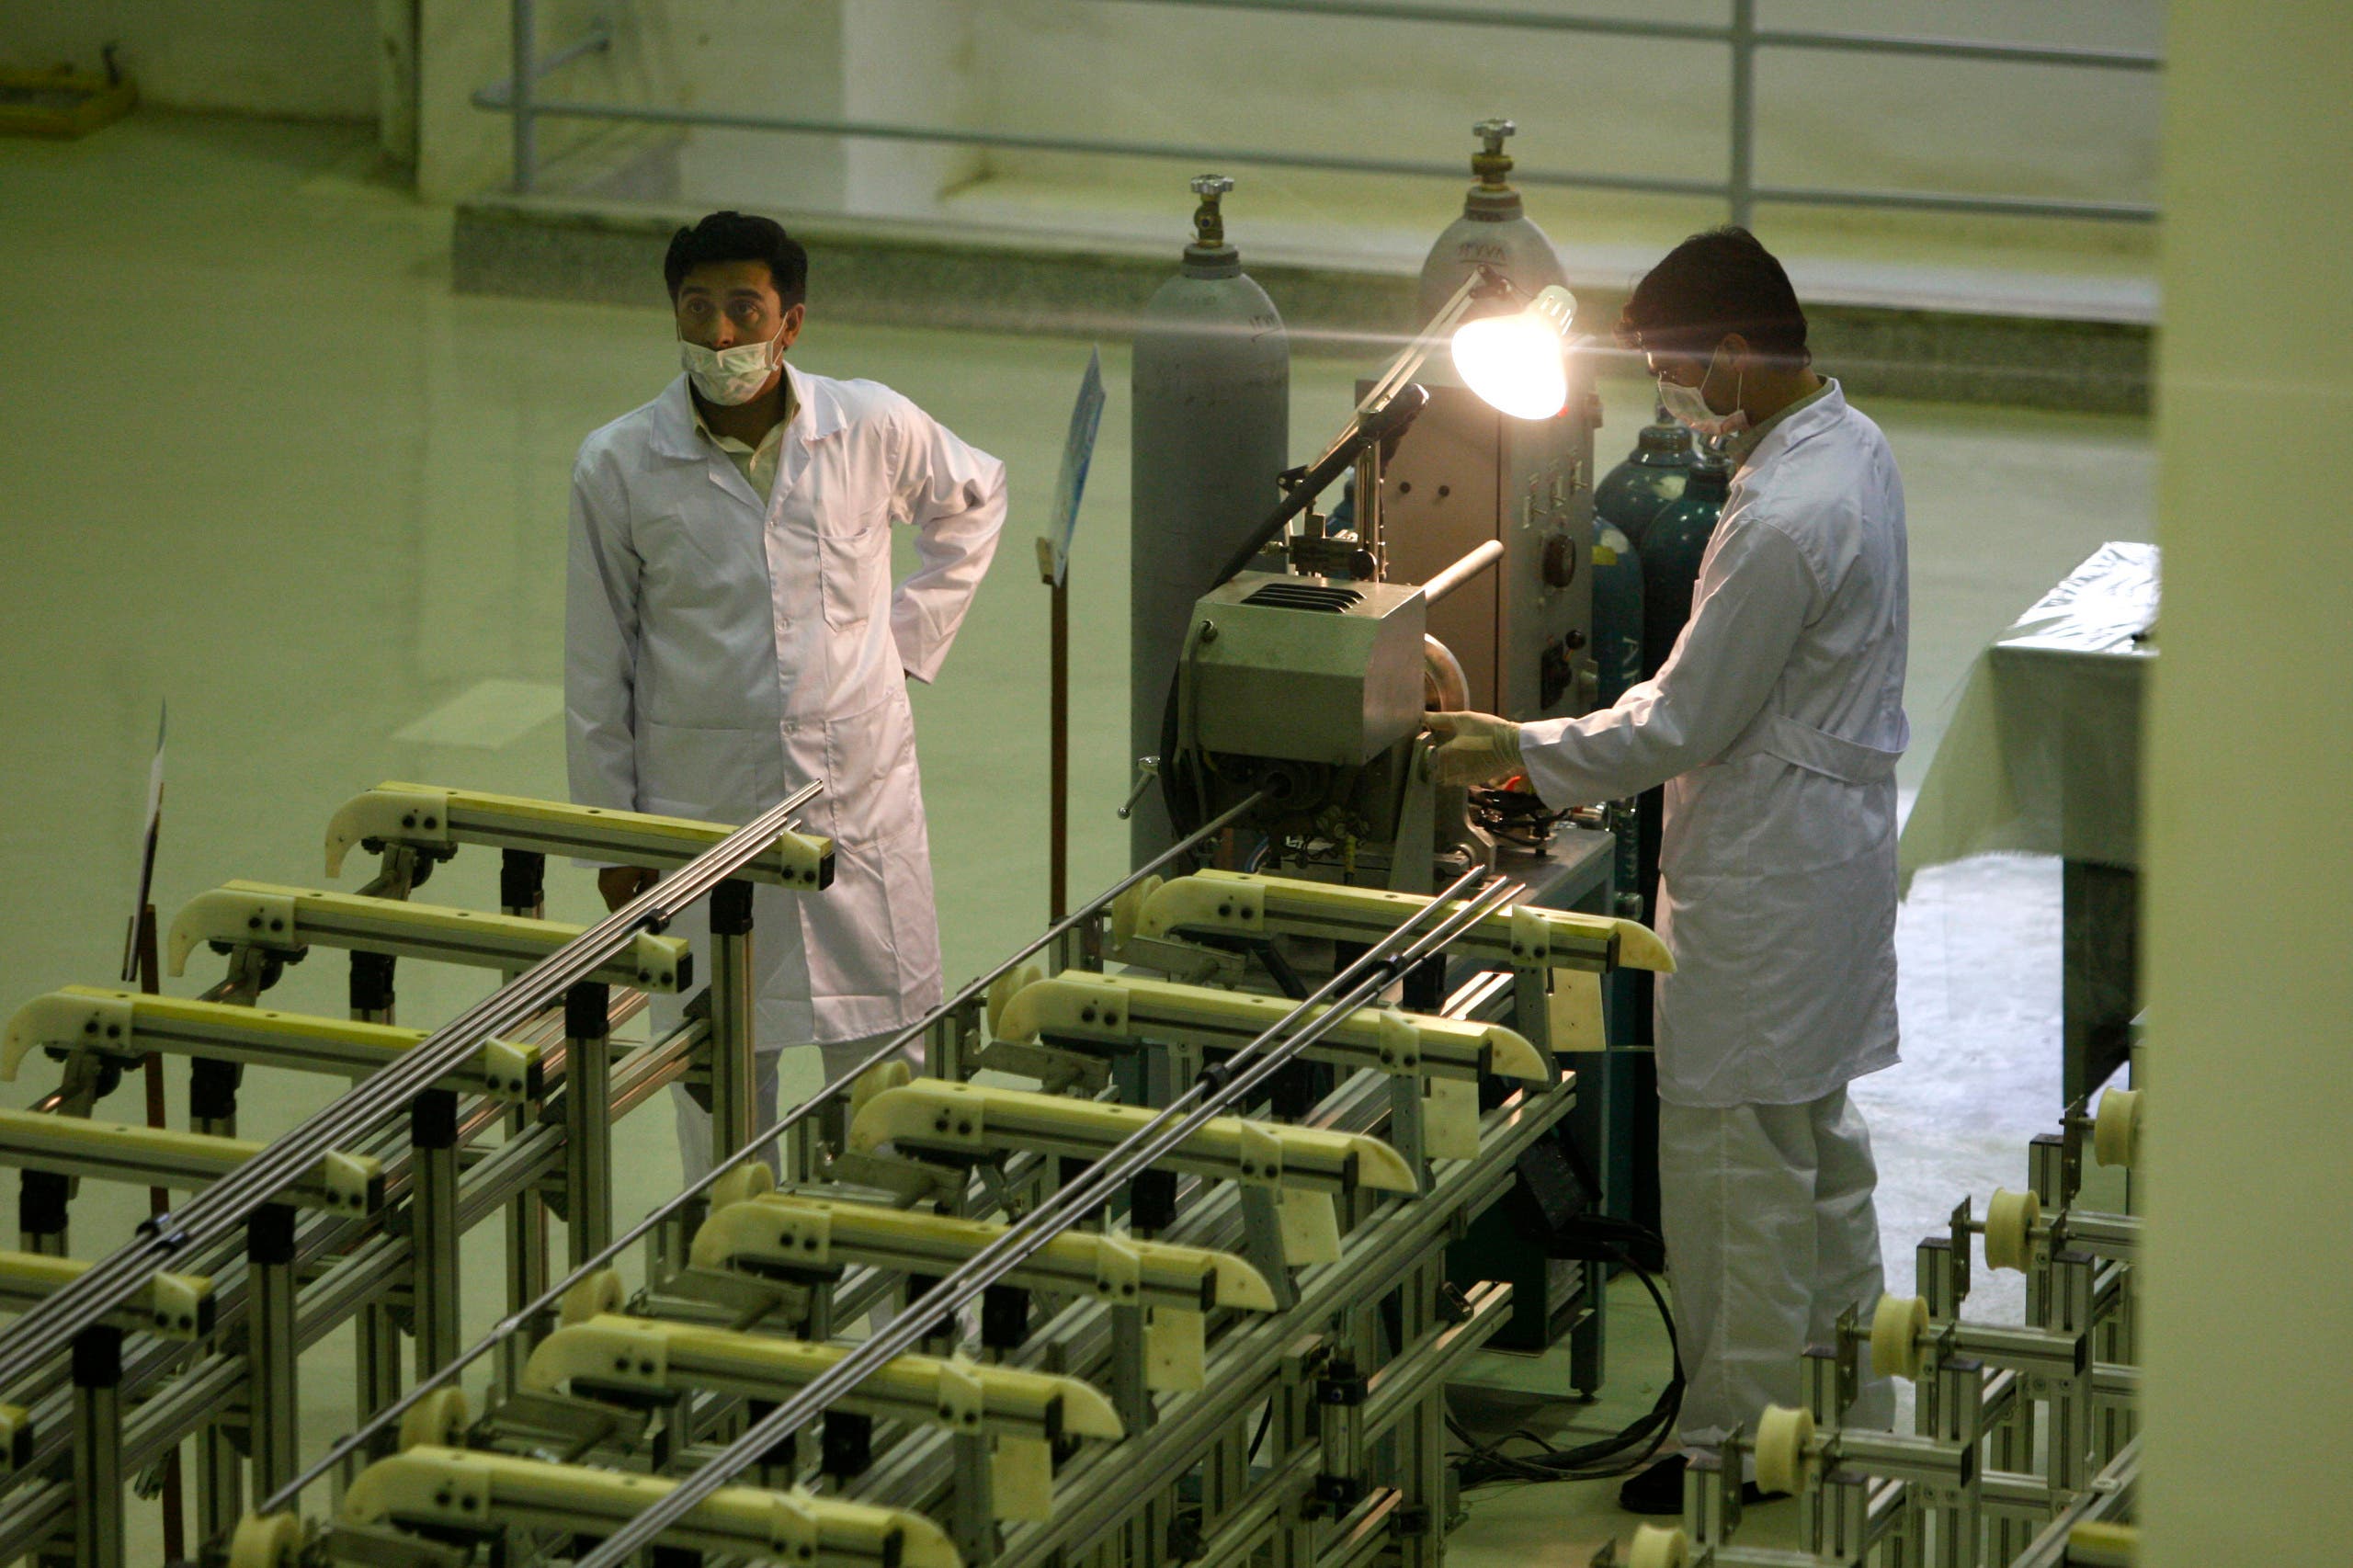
(1597, 1461)
(1266, 1419)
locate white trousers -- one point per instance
(694, 1122)
(1770, 1234)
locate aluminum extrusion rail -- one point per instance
(49, 1329)
(1195, 1107)
(358, 1438)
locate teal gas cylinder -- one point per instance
(1672, 545)
(1650, 479)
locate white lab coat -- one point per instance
(722, 649)
(1775, 724)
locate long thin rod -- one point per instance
(1695, 32)
(522, 1316)
(49, 1329)
(1189, 1111)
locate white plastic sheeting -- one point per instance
(2044, 750)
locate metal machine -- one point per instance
(1465, 473)
(1172, 1301)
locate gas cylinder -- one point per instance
(1493, 231)
(1617, 612)
(1671, 546)
(1637, 490)
(1209, 391)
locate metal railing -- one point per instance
(520, 96)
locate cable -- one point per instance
(1597, 1461)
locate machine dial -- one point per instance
(1560, 561)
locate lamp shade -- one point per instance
(1514, 362)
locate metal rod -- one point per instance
(216, 1213)
(1935, 201)
(1741, 184)
(523, 46)
(389, 1415)
(1370, 974)
(1645, 185)
(1486, 554)
(596, 39)
(1192, 152)
(1057, 748)
(1698, 32)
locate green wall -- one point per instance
(2250, 802)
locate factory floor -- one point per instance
(263, 463)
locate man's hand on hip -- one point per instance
(622, 883)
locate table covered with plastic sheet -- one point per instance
(2043, 755)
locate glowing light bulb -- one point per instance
(1514, 362)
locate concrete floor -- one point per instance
(263, 463)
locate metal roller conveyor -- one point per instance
(439, 1490)
(969, 1118)
(157, 1156)
(634, 1356)
(1160, 1278)
(436, 820)
(286, 919)
(798, 1232)
(131, 1024)
(1232, 904)
(173, 1306)
(1082, 1005)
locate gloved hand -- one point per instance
(1478, 748)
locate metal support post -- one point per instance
(42, 1203)
(1420, 1523)
(732, 1102)
(273, 1407)
(377, 1350)
(973, 1504)
(372, 989)
(433, 1228)
(1742, 184)
(1128, 1393)
(587, 1134)
(2072, 1275)
(99, 1483)
(522, 891)
(220, 1473)
(523, 46)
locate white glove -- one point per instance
(1478, 748)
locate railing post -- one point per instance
(1742, 181)
(525, 49)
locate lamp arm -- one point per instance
(1386, 410)
(1363, 428)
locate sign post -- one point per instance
(1053, 568)
(141, 970)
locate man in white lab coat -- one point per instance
(1775, 725)
(732, 632)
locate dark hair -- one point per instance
(1719, 282)
(733, 236)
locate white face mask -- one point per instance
(1690, 405)
(732, 376)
